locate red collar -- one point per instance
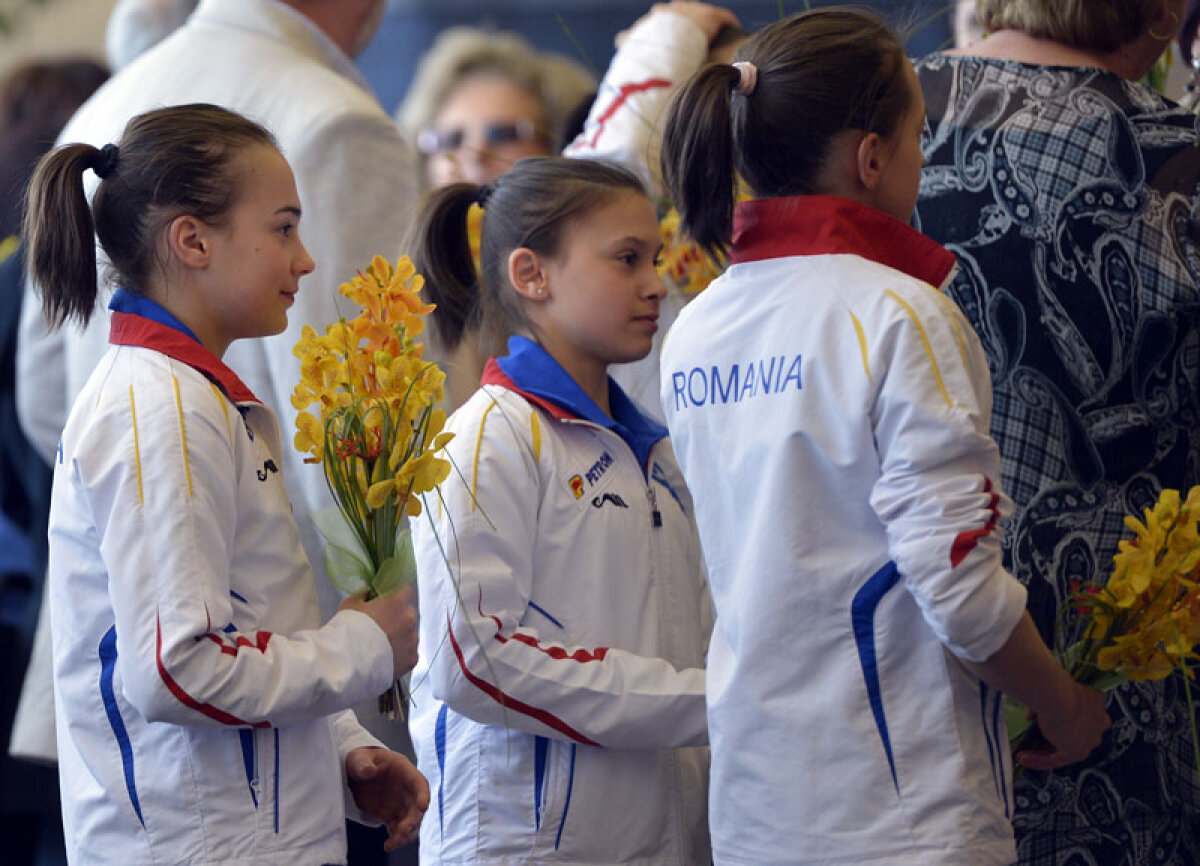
(493, 375)
(810, 225)
(127, 329)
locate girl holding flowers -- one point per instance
(559, 707)
(203, 710)
(830, 409)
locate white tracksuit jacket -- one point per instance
(561, 661)
(830, 410)
(198, 701)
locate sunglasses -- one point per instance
(431, 141)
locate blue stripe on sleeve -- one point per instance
(108, 664)
(546, 614)
(862, 615)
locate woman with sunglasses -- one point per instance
(480, 101)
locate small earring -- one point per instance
(541, 291)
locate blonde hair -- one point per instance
(1091, 25)
(558, 83)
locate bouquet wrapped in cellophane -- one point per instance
(1143, 621)
(375, 429)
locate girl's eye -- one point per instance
(627, 258)
(286, 230)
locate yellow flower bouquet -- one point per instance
(1143, 622)
(682, 261)
(375, 429)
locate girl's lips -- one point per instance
(651, 322)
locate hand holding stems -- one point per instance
(1071, 730)
(397, 617)
(1071, 716)
(709, 18)
(387, 786)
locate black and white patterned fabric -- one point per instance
(1070, 198)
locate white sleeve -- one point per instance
(939, 492)
(163, 496)
(625, 123)
(487, 665)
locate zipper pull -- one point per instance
(655, 514)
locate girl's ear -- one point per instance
(526, 273)
(870, 159)
(188, 240)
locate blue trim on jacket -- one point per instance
(534, 372)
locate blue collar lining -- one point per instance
(134, 303)
(534, 371)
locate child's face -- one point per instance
(257, 257)
(602, 289)
(901, 179)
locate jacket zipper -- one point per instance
(655, 514)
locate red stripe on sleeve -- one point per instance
(558, 653)
(966, 541)
(546, 718)
(188, 701)
(626, 91)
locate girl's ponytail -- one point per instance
(698, 157)
(442, 254)
(60, 234)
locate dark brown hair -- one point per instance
(819, 73)
(169, 162)
(532, 205)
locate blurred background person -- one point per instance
(36, 99)
(1069, 192)
(482, 100)
(136, 25)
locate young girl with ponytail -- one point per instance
(559, 707)
(203, 711)
(830, 409)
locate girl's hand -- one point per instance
(709, 18)
(386, 786)
(398, 618)
(1072, 733)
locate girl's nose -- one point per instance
(657, 288)
(304, 263)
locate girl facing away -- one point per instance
(203, 709)
(559, 709)
(830, 410)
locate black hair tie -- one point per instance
(106, 161)
(484, 193)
